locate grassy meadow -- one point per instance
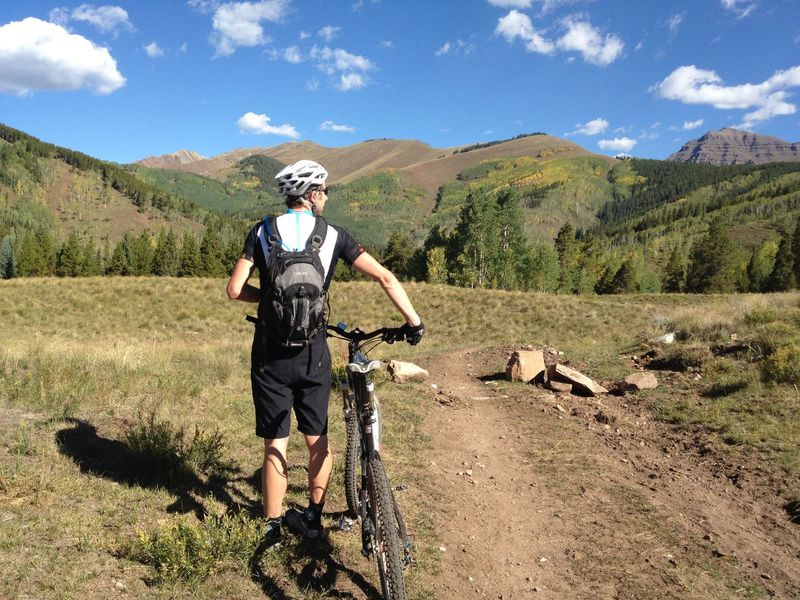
(128, 461)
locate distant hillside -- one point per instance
(44, 186)
(170, 161)
(734, 147)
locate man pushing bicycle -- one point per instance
(296, 254)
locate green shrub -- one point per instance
(782, 366)
(164, 452)
(192, 551)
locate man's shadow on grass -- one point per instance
(117, 461)
(312, 567)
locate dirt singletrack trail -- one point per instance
(545, 496)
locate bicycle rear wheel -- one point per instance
(388, 546)
(351, 461)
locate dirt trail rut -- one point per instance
(546, 496)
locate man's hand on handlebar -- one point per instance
(413, 333)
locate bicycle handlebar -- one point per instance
(390, 335)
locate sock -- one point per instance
(315, 512)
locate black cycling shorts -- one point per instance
(290, 378)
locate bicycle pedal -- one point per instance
(345, 523)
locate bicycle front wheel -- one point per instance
(388, 546)
(351, 460)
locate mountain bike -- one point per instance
(370, 497)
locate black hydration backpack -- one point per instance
(292, 306)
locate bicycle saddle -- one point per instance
(359, 367)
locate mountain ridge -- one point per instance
(729, 146)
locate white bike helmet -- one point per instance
(295, 179)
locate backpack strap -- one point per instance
(268, 235)
(317, 237)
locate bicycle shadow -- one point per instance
(313, 568)
(115, 460)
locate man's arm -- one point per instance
(238, 288)
(372, 268)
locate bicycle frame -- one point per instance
(359, 399)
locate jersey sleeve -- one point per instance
(348, 248)
(250, 242)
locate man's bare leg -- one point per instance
(274, 476)
(320, 464)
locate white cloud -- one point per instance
(204, 6)
(457, 47)
(293, 55)
(105, 18)
(331, 126)
(36, 55)
(184, 48)
(623, 144)
(593, 127)
(691, 85)
(511, 3)
(259, 125)
(582, 37)
(741, 8)
(674, 23)
(518, 25)
(386, 45)
(304, 35)
(239, 24)
(350, 81)
(329, 33)
(312, 85)
(336, 59)
(689, 125)
(153, 50)
(350, 67)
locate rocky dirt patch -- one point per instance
(557, 496)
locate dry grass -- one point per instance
(85, 362)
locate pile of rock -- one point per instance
(529, 366)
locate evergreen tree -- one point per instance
(142, 251)
(211, 255)
(674, 278)
(398, 254)
(120, 261)
(603, 285)
(712, 264)
(568, 258)
(166, 260)
(782, 277)
(191, 263)
(47, 252)
(796, 251)
(624, 281)
(91, 260)
(8, 262)
(69, 262)
(29, 260)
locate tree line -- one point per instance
(40, 254)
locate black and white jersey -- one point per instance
(294, 228)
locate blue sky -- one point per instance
(130, 79)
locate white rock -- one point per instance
(402, 372)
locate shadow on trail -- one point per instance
(117, 461)
(313, 568)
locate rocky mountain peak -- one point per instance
(730, 146)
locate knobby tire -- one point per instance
(351, 461)
(388, 545)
